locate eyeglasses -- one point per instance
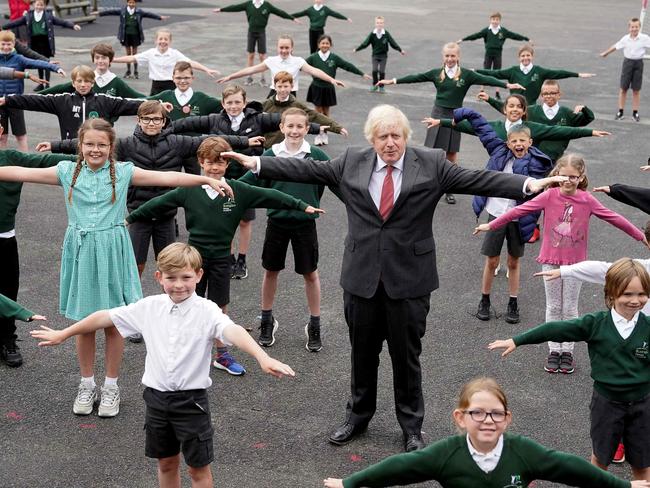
(481, 415)
(572, 178)
(152, 120)
(550, 94)
(88, 145)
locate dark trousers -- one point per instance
(378, 68)
(313, 39)
(401, 323)
(9, 280)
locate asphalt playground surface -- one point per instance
(273, 433)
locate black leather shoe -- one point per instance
(413, 442)
(346, 432)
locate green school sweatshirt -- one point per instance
(11, 310)
(450, 463)
(116, 88)
(330, 66)
(258, 18)
(200, 104)
(620, 367)
(379, 45)
(318, 18)
(494, 43)
(212, 223)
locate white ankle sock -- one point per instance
(110, 381)
(90, 381)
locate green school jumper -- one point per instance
(379, 45)
(212, 223)
(200, 104)
(620, 367)
(11, 310)
(318, 18)
(494, 42)
(330, 66)
(450, 463)
(450, 92)
(531, 81)
(117, 87)
(258, 18)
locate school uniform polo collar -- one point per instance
(103, 80)
(451, 72)
(183, 307)
(488, 461)
(212, 193)
(130, 10)
(525, 69)
(318, 7)
(551, 112)
(379, 33)
(183, 97)
(509, 124)
(623, 326)
(38, 15)
(280, 150)
(495, 30)
(258, 3)
(324, 56)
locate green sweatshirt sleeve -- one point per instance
(364, 44)
(543, 132)
(479, 79)
(556, 74)
(257, 197)
(279, 12)
(335, 14)
(34, 160)
(321, 119)
(420, 77)
(582, 118)
(496, 104)
(60, 88)
(465, 127)
(235, 7)
(574, 330)
(502, 74)
(347, 66)
(513, 35)
(477, 35)
(302, 13)
(125, 90)
(158, 206)
(393, 42)
(12, 310)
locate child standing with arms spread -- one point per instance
(130, 32)
(257, 13)
(567, 211)
(494, 37)
(634, 45)
(618, 341)
(318, 14)
(178, 327)
(379, 39)
(484, 455)
(98, 268)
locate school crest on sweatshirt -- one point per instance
(515, 481)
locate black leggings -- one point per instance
(9, 281)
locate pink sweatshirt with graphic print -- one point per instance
(566, 224)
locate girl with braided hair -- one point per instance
(98, 268)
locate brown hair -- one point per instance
(84, 72)
(495, 14)
(286, 37)
(103, 50)
(212, 147)
(526, 48)
(554, 83)
(294, 111)
(183, 66)
(575, 161)
(7, 36)
(646, 231)
(100, 125)
(178, 256)
(618, 277)
(231, 90)
(283, 77)
(451, 45)
(485, 384)
(150, 107)
(522, 101)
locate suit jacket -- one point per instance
(401, 250)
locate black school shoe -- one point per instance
(10, 354)
(512, 315)
(483, 312)
(314, 343)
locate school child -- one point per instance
(12, 310)
(283, 100)
(105, 82)
(40, 33)
(321, 94)
(635, 196)
(10, 276)
(494, 37)
(567, 210)
(11, 59)
(484, 454)
(617, 340)
(130, 33)
(284, 61)
(515, 155)
(177, 412)
(530, 76)
(161, 60)
(452, 83)
(212, 221)
(72, 109)
(257, 14)
(634, 45)
(380, 39)
(98, 268)
(318, 14)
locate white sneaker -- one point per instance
(324, 138)
(86, 397)
(318, 140)
(109, 405)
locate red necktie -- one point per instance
(387, 194)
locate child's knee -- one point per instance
(492, 262)
(513, 263)
(169, 464)
(199, 474)
(312, 277)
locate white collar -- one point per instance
(451, 72)
(186, 95)
(495, 30)
(509, 124)
(212, 193)
(525, 69)
(282, 101)
(182, 307)
(318, 7)
(258, 3)
(619, 319)
(324, 56)
(399, 164)
(103, 80)
(552, 111)
(38, 15)
(281, 149)
(130, 10)
(493, 455)
(379, 33)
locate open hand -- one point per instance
(586, 75)
(44, 146)
(344, 132)
(384, 82)
(515, 86)
(643, 168)
(333, 483)
(37, 317)
(256, 141)
(212, 73)
(431, 122)
(640, 484)
(483, 96)
(551, 274)
(336, 82)
(603, 189)
(77, 27)
(225, 79)
(248, 162)
(600, 133)
(61, 73)
(535, 186)
(48, 337)
(164, 17)
(222, 187)
(481, 228)
(508, 346)
(276, 368)
(366, 76)
(38, 80)
(578, 108)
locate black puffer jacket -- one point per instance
(255, 123)
(163, 152)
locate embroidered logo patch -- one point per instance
(642, 352)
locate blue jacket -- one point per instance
(535, 163)
(19, 63)
(122, 12)
(50, 21)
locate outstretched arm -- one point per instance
(143, 177)
(243, 340)
(211, 72)
(251, 70)
(46, 176)
(52, 337)
(319, 73)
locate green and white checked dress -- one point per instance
(98, 268)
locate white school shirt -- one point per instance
(451, 72)
(623, 326)
(183, 98)
(161, 65)
(258, 3)
(550, 112)
(495, 30)
(102, 80)
(38, 16)
(525, 69)
(280, 150)
(235, 122)
(130, 10)
(487, 462)
(594, 272)
(317, 7)
(633, 48)
(291, 65)
(178, 338)
(212, 193)
(497, 206)
(324, 56)
(378, 33)
(377, 179)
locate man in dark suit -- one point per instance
(390, 192)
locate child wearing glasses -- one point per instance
(617, 339)
(484, 454)
(567, 210)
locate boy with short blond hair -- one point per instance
(180, 322)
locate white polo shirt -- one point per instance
(161, 65)
(633, 48)
(291, 65)
(178, 337)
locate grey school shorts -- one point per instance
(258, 38)
(493, 241)
(632, 74)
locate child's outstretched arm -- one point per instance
(210, 72)
(10, 309)
(46, 176)
(319, 73)
(251, 70)
(143, 177)
(239, 337)
(51, 337)
(635, 196)
(508, 345)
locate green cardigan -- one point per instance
(318, 18)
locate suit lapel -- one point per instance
(411, 170)
(365, 169)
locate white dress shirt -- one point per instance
(183, 98)
(101, 80)
(487, 462)
(451, 72)
(161, 65)
(280, 150)
(551, 112)
(178, 337)
(235, 122)
(497, 206)
(258, 3)
(378, 33)
(495, 30)
(317, 7)
(509, 124)
(324, 56)
(633, 48)
(377, 179)
(525, 69)
(38, 15)
(292, 64)
(623, 326)
(212, 193)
